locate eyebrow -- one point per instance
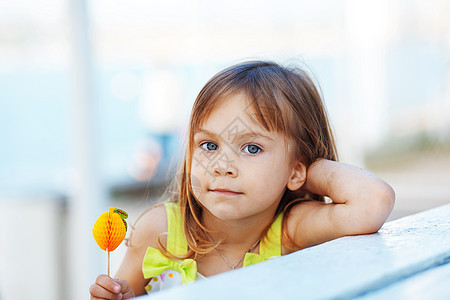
(238, 136)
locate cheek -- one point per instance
(196, 181)
(270, 179)
(200, 164)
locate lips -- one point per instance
(225, 192)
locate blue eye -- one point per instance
(252, 149)
(209, 146)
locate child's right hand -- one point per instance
(106, 287)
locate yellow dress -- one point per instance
(166, 273)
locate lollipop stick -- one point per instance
(108, 263)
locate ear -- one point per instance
(298, 176)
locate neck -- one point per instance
(237, 232)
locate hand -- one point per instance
(106, 287)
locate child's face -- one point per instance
(239, 169)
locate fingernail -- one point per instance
(119, 296)
(116, 288)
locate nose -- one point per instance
(224, 167)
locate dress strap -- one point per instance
(176, 240)
(271, 244)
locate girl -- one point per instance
(260, 158)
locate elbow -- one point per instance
(390, 199)
(374, 211)
(386, 199)
(381, 207)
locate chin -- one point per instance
(224, 212)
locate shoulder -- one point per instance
(149, 228)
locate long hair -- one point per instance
(283, 100)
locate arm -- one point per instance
(361, 204)
(129, 276)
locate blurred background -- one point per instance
(95, 97)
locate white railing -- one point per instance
(408, 258)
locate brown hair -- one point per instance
(282, 99)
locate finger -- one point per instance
(108, 284)
(116, 297)
(98, 292)
(126, 289)
(96, 298)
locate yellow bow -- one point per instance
(155, 263)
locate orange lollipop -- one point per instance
(110, 230)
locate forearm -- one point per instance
(341, 182)
(367, 198)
